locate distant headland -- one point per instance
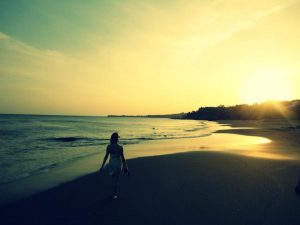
(265, 110)
(172, 116)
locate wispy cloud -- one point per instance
(186, 32)
(24, 67)
(218, 23)
(253, 19)
(3, 36)
(11, 44)
(32, 78)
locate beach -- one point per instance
(200, 98)
(216, 184)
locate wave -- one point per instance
(87, 141)
(42, 169)
(67, 139)
(97, 140)
(195, 129)
(75, 139)
(47, 167)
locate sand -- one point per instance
(206, 187)
(285, 138)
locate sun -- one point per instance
(268, 84)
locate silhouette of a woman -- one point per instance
(116, 162)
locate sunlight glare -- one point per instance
(269, 84)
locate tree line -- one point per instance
(265, 110)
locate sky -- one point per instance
(99, 57)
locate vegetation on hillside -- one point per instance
(266, 110)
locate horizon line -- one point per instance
(141, 115)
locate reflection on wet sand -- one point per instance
(252, 146)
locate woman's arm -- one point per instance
(105, 159)
(125, 167)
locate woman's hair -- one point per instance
(114, 138)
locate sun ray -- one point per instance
(266, 85)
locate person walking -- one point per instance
(116, 163)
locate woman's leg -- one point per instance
(115, 182)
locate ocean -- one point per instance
(31, 144)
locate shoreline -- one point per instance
(284, 135)
(215, 142)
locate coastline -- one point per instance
(204, 184)
(214, 142)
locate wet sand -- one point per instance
(284, 136)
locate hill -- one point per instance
(266, 110)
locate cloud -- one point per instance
(11, 44)
(3, 36)
(24, 67)
(184, 33)
(44, 81)
(224, 23)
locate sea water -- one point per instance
(31, 144)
